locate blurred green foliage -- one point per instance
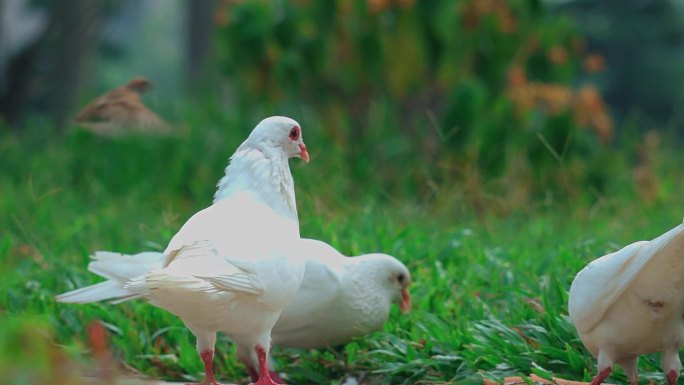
(472, 91)
(478, 281)
(66, 196)
(28, 356)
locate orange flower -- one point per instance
(589, 100)
(577, 44)
(507, 23)
(590, 111)
(558, 55)
(377, 6)
(555, 97)
(594, 63)
(222, 17)
(532, 44)
(406, 4)
(474, 11)
(516, 77)
(603, 126)
(470, 15)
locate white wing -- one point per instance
(596, 288)
(319, 289)
(198, 267)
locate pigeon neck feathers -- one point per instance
(264, 174)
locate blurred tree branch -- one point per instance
(200, 26)
(48, 72)
(79, 23)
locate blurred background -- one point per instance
(418, 115)
(515, 98)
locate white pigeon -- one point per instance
(340, 298)
(631, 302)
(233, 266)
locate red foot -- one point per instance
(275, 377)
(253, 373)
(672, 377)
(251, 370)
(601, 376)
(266, 381)
(205, 383)
(208, 358)
(264, 374)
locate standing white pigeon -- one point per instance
(340, 298)
(233, 266)
(631, 302)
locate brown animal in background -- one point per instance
(121, 111)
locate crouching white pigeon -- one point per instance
(340, 298)
(631, 302)
(233, 266)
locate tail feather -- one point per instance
(122, 267)
(97, 292)
(119, 269)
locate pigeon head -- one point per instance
(397, 278)
(259, 167)
(280, 135)
(139, 84)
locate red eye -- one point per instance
(294, 133)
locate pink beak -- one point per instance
(405, 304)
(303, 153)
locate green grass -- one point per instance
(489, 291)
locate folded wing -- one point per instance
(197, 267)
(596, 288)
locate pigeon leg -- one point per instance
(205, 348)
(630, 367)
(671, 365)
(672, 377)
(276, 377)
(264, 374)
(245, 359)
(208, 358)
(605, 366)
(251, 369)
(601, 376)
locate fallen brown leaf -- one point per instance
(536, 380)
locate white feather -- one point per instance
(118, 269)
(97, 292)
(631, 302)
